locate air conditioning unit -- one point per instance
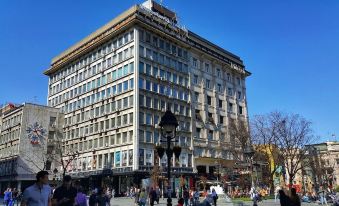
(156, 126)
(158, 77)
(161, 78)
(106, 144)
(53, 125)
(163, 110)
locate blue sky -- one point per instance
(291, 47)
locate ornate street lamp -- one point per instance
(168, 125)
(249, 152)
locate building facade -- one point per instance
(26, 132)
(115, 85)
(324, 167)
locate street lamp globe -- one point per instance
(249, 151)
(168, 124)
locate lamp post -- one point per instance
(249, 152)
(168, 125)
(55, 171)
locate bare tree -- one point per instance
(63, 156)
(264, 133)
(287, 136)
(240, 137)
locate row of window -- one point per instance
(95, 83)
(103, 109)
(211, 101)
(102, 126)
(147, 157)
(15, 119)
(9, 136)
(98, 96)
(159, 104)
(163, 59)
(163, 44)
(218, 86)
(92, 71)
(162, 89)
(153, 137)
(218, 72)
(9, 151)
(101, 142)
(154, 71)
(93, 56)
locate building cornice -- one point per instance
(130, 17)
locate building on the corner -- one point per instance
(115, 84)
(27, 131)
(324, 167)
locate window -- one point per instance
(230, 107)
(148, 69)
(125, 85)
(240, 110)
(220, 103)
(208, 83)
(131, 83)
(195, 62)
(148, 136)
(229, 78)
(149, 119)
(141, 67)
(218, 73)
(209, 100)
(195, 79)
(207, 67)
(141, 83)
(198, 130)
(148, 85)
(221, 120)
(219, 88)
(196, 96)
(141, 118)
(230, 91)
(239, 95)
(238, 81)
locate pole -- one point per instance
(169, 199)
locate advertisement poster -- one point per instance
(124, 158)
(130, 157)
(141, 157)
(117, 159)
(149, 157)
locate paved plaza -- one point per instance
(130, 202)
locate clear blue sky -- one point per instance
(291, 47)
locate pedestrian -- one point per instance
(137, 196)
(65, 194)
(18, 198)
(152, 196)
(92, 198)
(214, 197)
(284, 199)
(102, 199)
(142, 197)
(276, 193)
(80, 199)
(186, 196)
(157, 191)
(322, 195)
(295, 200)
(181, 202)
(7, 196)
(38, 194)
(196, 197)
(113, 193)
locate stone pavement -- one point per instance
(123, 201)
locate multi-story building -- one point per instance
(115, 84)
(324, 165)
(26, 132)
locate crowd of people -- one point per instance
(12, 197)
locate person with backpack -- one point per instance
(214, 196)
(80, 198)
(142, 197)
(186, 196)
(152, 196)
(92, 198)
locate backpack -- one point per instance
(81, 199)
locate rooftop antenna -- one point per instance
(334, 137)
(35, 99)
